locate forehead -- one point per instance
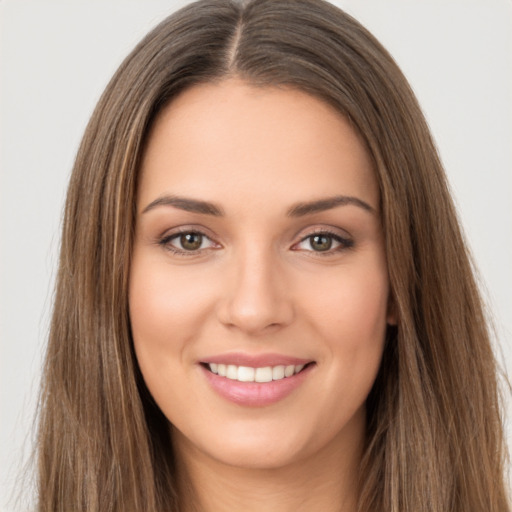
(232, 140)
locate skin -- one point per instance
(259, 284)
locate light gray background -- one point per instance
(57, 56)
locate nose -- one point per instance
(256, 299)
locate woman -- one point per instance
(264, 198)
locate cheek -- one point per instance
(354, 304)
(350, 316)
(165, 307)
(167, 315)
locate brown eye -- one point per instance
(324, 242)
(187, 243)
(191, 241)
(320, 242)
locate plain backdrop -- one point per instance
(57, 56)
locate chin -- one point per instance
(258, 456)
(250, 447)
(267, 446)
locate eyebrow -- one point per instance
(187, 204)
(297, 210)
(320, 205)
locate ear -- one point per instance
(391, 316)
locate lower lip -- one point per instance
(255, 394)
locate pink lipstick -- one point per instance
(255, 381)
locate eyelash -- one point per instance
(165, 242)
(344, 243)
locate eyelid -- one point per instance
(345, 242)
(171, 234)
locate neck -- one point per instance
(326, 480)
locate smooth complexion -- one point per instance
(258, 241)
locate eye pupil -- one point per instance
(321, 242)
(191, 241)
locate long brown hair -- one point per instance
(434, 433)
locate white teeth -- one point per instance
(263, 374)
(245, 374)
(288, 371)
(249, 374)
(278, 372)
(231, 372)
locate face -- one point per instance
(258, 288)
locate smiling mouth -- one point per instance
(250, 374)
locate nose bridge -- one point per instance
(256, 299)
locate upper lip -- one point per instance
(255, 360)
